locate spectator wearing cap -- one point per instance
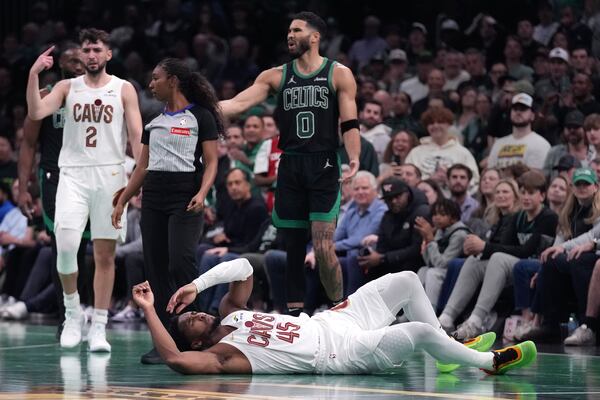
(416, 86)
(543, 31)
(578, 224)
(513, 52)
(523, 145)
(376, 67)
(558, 82)
(529, 45)
(364, 49)
(454, 73)
(567, 165)
(397, 245)
(395, 73)
(439, 151)
(574, 145)
(417, 42)
(451, 35)
(475, 66)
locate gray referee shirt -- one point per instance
(175, 139)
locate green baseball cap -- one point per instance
(586, 175)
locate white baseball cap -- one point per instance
(397, 54)
(558, 52)
(524, 99)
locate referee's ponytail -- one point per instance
(195, 88)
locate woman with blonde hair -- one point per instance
(506, 203)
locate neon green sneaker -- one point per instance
(481, 343)
(517, 356)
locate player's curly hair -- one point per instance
(195, 88)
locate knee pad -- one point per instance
(67, 245)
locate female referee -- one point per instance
(175, 181)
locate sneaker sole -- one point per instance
(99, 349)
(481, 343)
(527, 355)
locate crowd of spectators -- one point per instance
(479, 162)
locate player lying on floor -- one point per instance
(351, 338)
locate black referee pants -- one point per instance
(170, 235)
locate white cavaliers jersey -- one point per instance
(95, 131)
(275, 343)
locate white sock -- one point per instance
(100, 316)
(475, 320)
(445, 320)
(71, 301)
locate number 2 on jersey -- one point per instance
(90, 139)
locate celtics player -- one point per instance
(48, 133)
(313, 95)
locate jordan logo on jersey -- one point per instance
(291, 80)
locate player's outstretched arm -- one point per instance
(40, 108)
(265, 82)
(133, 119)
(346, 89)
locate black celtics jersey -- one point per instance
(307, 110)
(50, 139)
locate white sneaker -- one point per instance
(6, 301)
(17, 311)
(71, 333)
(128, 314)
(523, 329)
(467, 330)
(97, 338)
(582, 336)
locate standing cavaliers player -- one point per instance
(48, 133)
(313, 95)
(100, 109)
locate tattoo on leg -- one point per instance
(329, 265)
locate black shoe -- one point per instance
(152, 357)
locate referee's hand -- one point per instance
(196, 204)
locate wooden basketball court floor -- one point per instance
(32, 366)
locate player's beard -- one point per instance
(302, 46)
(96, 71)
